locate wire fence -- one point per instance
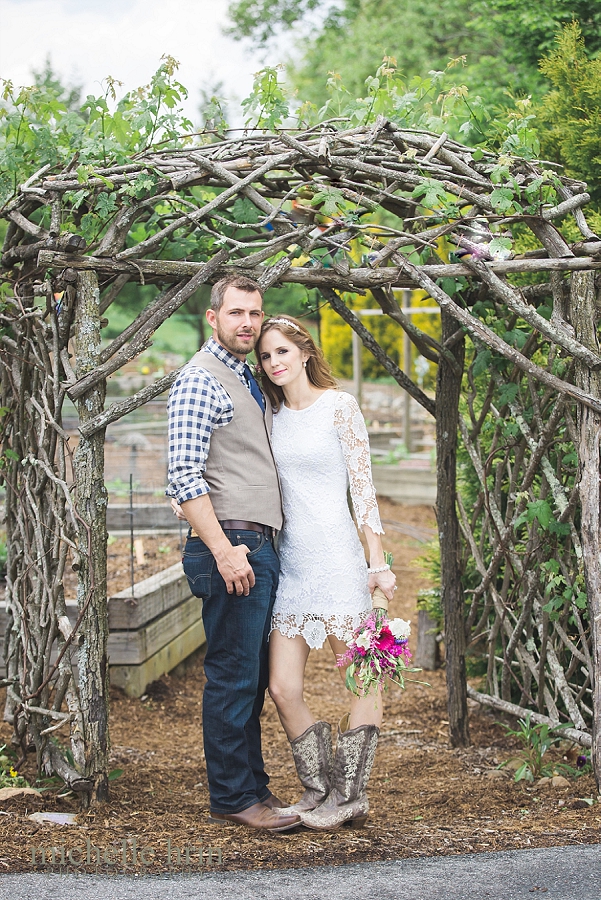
(144, 536)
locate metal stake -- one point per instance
(131, 530)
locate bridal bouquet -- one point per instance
(378, 650)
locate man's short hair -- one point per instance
(241, 282)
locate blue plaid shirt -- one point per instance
(197, 405)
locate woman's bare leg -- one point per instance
(364, 710)
(287, 660)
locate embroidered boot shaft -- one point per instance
(353, 762)
(313, 758)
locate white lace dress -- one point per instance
(320, 451)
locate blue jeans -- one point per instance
(236, 669)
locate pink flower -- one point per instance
(385, 640)
(401, 650)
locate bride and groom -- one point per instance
(246, 465)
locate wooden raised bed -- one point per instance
(413, 487)
(149, 634)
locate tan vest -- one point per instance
(240, 468)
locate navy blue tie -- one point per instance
(254, 387)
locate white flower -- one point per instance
(364, 640)
(400, 628)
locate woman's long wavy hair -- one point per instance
(317, 369)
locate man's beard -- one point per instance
(231, 342)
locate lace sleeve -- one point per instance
(350, 426)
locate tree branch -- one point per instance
(512, 298)
(117, 410)
(487, 336)
(143, 337)
(374, 348)
(573, 734)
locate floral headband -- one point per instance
(283, 322)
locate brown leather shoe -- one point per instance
(274, 802)
(257, 816)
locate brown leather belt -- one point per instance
(239, 525)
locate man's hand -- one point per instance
(236, 570)
(232, 563)
(177, 510)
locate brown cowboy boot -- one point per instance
(258, 816)
(347, 800)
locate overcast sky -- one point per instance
(90, 39)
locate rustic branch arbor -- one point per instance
(368, 209)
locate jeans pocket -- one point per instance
(198, 568)
(254, 540)
(256, 546)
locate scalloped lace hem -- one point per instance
(314, 628)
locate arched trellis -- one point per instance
(311, 202)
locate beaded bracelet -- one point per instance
(383, 568)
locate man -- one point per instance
(222, 473)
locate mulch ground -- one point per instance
(426, 797)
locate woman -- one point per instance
(321, 447)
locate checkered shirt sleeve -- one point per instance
(197, 405)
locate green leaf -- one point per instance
(77, 197)
(560, 528)
(141, 186)
(502, 199)
(524, 773)
(115, 773)
(511, 429)
(432, 193)
(329, 201)
(508, 394)
(107, 183)
(540, 510)
(516, 338)
(245, 211)
(500, 245)
(351, 684)
(481, 363)
(553, 606)
(545, 311)
(84, 173)
(106, 205)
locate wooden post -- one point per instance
(91, 502)
(427, 653)
(448, 390)
(407, 405)
(584, 316)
